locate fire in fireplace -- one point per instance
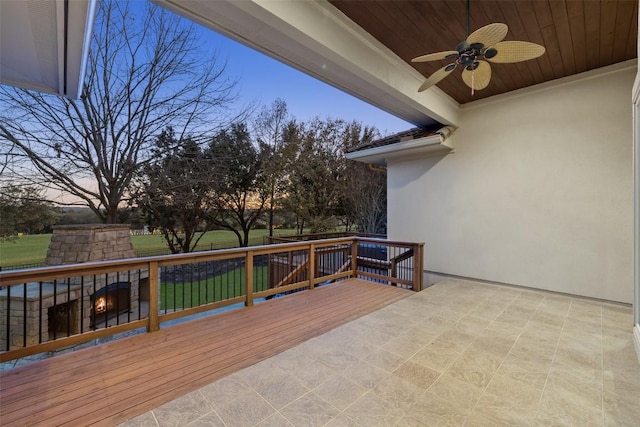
(110, 301)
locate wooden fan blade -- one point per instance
(489, 34)
(435, 56)
(479, 78)
(516, 51)
(437, 76)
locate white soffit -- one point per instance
(439, 144)
(321, 41)
(44, 44)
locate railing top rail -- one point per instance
(386, 242)
(96, 267)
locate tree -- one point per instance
(144, 72)
(313, 190)
(269, 127)
(22, 211)
(364, 196)
(239, 193)
(174, 191)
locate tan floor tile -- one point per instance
(478, 420)
(436, 412)
(313, 375)
(498, 345)
(621, 412)
(210, 420)
(471, 325)
(366, 375)
(404, 346)
(449, 314)
(371, 410)
(183, 410)
(360, 348)
(514, 317)
(408, 421)
(378, 338)
(338, 360)
(587, 366)
(475, 367)
(397, 391)
(384, 359)
(438, 360)
(487, 310)
(546, 349)
(225, 390)
(452, 341)
(145, 420)
(622, 359)
(524, 395)
(565, 412)
(502, 411)
(569, 400)
(261, 374)
(340, 391)
(624, 386)
(292, 360)
(502, 330)
(438, 322)
(342, 421)
(417, 374)
(244, 410)
(460, 394)
(282, 390)
(275, 420)
(534, 379)
(309, 410)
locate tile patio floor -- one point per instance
(458, 353)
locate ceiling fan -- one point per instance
(484, 44)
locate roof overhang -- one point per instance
(439, 144)
(321, 41)
(44, 44)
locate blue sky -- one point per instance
(263, 79)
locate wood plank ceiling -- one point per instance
(579, 35)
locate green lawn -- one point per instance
(218, 288)
(33, 248)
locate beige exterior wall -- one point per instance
(538, 193)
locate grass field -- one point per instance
(33, 249)
(217, 288)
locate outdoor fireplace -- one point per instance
(109, 302)
(38, 312)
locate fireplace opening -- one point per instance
(109, 302)
(63, 319)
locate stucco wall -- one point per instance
(538, 192)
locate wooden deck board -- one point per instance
(110, 383)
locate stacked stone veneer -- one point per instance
(70, 245)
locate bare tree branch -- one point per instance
(144, 73)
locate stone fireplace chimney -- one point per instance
(71, 244)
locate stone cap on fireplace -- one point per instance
(72, 244)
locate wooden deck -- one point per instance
(110, 383)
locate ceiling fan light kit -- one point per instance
(484, 44)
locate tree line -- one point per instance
(155, 132)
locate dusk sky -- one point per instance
(263, 79)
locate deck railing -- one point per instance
(49, 308)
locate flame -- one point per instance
(101, 305)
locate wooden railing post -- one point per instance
(248, 279)
(354, 257)
(417, 266)
(154, 297)
(312, 265)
